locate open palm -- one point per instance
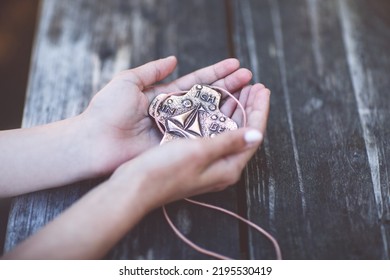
(118, 115)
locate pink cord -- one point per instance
(235, 99)
(189, 242)
(253, 225)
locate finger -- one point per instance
(227, 171)
(151, 72)
(207, 75)
(229, 143)
(226, 167)
(251, 104)
(233, 111)
(228, 107)
(235, 81)
(256, 107)
(232, 83)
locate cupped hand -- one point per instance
(187, 167)
(117, 119)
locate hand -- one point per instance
(184, 167)
(178, 169)
(97, 221)
(112, 130)
(117, 120)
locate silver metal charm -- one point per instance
(194, 114)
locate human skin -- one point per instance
(116, 135)
(112, 130)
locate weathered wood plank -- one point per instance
(79, 46)
(60, 72)
(312, 187)
(366, 38)
(273, 171)
(321, 182)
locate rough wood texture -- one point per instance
(320, 183)
(78, 49)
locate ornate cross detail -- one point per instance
(194, 114)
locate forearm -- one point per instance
(89, 228)
(96, 222)
(45, 156)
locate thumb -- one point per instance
(232, 142)
(152, 72)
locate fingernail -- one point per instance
(253, 136)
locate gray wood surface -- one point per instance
(320, 183)
(79, 47)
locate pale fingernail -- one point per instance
(253, 136)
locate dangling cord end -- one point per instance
(189, 242)
(258, 228)
(278, 252)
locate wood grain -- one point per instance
(316, 183)
(366, 39)
(79, 46)
(320, 183)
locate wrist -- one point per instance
(94, 147)
(79, 152)
(105, 147)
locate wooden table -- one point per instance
(320, 184)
